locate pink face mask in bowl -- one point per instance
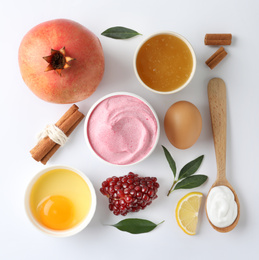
(122, 129)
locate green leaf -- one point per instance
(120, 32)
(190, 168)
(191, 182)
(136, 225)
(170, 160)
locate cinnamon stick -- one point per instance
(45, 159)
(216, 58)
(218, 39)
(46, 147)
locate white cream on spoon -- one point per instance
(221, 206)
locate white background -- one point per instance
(23, 115)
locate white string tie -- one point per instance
(54, 133)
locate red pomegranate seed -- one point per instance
(129, 193)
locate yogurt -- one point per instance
(122, 129)
(221, 206)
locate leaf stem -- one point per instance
(160, 222)
(175, 181)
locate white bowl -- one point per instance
(90, 113)
(60, 233)
(193, 57)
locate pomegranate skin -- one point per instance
(75, 83)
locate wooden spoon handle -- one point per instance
(217, 104)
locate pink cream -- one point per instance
(122, 129)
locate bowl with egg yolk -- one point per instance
(164, 62)
(60, 201)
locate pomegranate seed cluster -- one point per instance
(129, 193)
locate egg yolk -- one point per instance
(57, 212)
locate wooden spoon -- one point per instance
(218, 108)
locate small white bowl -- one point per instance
(193, 57)
(60, 233)
(90, 113)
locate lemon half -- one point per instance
(187, 211)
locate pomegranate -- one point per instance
(61, 61)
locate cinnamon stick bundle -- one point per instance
(46, 147)
(216, 58)
(218, 39)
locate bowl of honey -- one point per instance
(165, 62)
(60, 201)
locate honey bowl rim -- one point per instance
(193, 58)
(67, 232)
(118, 93)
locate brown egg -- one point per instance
(183, 124)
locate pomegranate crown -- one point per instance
(58, 60)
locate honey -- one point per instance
(164, 62)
